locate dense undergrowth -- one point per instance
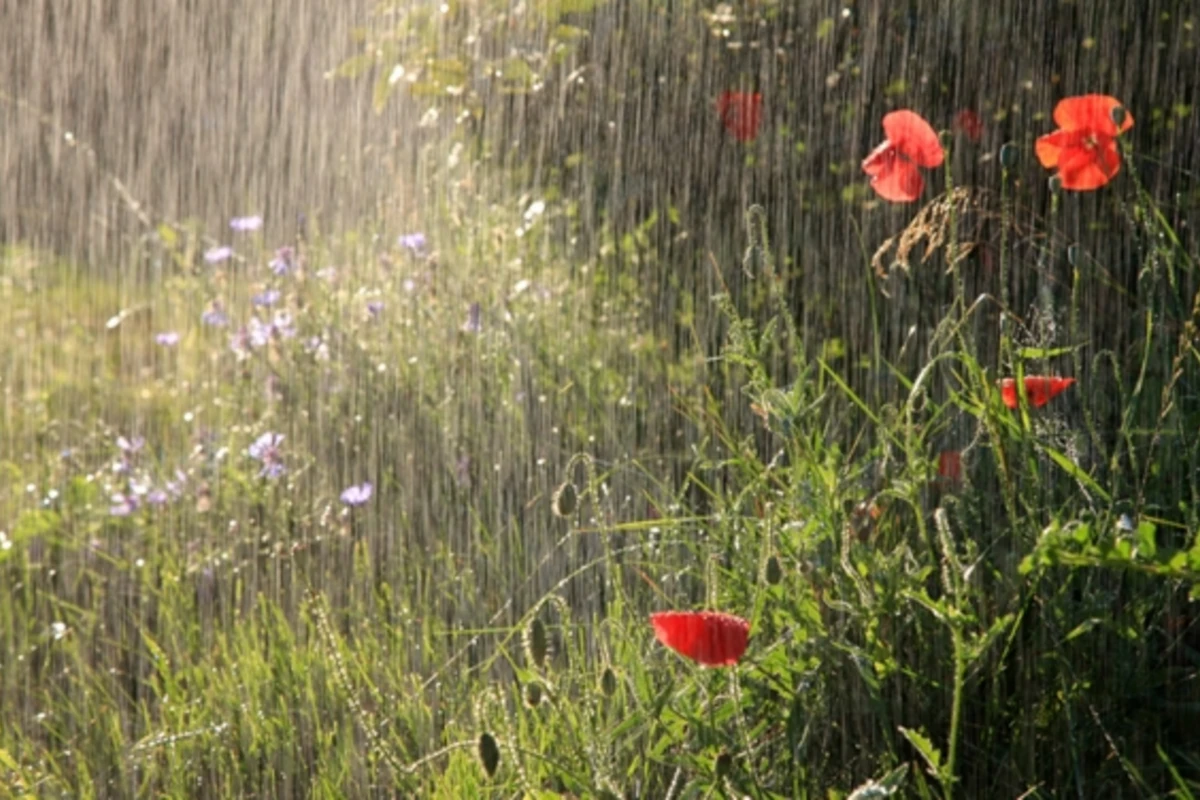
(947, 596)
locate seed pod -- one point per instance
(1055, 184)
(774, 570)
(1117, 115)
(565, 500)
(489, 753)
(608, 682)
(537, 643)
(1009, 154)
(1073, 255)
(533, 694)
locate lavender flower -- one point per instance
(215, 316)
(317, 347)
(216, 255)
(130, 447)
(413, 243)
(167, 338)
(267, 298)
(265, 450)
(246, 224)
(357, 495)
(157, 497)
(123, 505)
(375, 308)
(284, 261)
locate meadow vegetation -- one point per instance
(383, 510)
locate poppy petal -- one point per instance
(913, 137)
(879, 159)
(969, 123)
(1050, 146)
(1039, 389)
(707, 637)
(1091, 112)
(741, 114)
(899, 182)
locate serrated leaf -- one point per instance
(886, 786)
(932, 756)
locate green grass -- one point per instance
(253, 637)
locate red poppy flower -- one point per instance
(1039, 389)
(709, 637)
(910, 143)
(741, 114)
(1084, 149)
(969, 123)
(950, 467)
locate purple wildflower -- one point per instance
(246, 224)
(240, 343)
(157, 497)
(317, 347)
(413, 243)
(123, 505)
(267, 298)
(216, 255)
(265, 450)
(215, 316)
(375, 308)
(130, 447)
(284, 261)
(281, 325)
(357, 495)
(474, 323)
(167, 338)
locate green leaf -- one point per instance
(932, 756)
(1030, 353)
(886, 786)
(1147, 544)
(1077, 472)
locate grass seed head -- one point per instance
(537, 643)
(565, 500)
(489, 753)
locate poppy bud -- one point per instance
(946, 138)
(1055, 184)
(533, 694)
(565, 500)
(608, 682)
(1117, 115)
(774, 571)
(537, 644)
(489, 753)
(1073, 255)
(1009, 155)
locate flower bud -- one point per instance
(1117, 115)
(1055, 184)
(1009, 155)
(1073, 255)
